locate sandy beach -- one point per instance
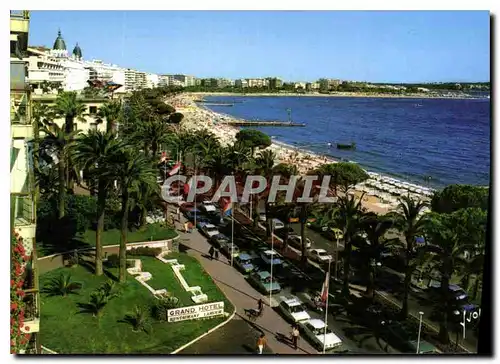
(381, 192)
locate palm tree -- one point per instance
(111, 112)
(450, 236)
(94, 153)
(218, 164)
(70, 108)
(410, 222)
(132, 170)
(57, 145)
(265, 163)
(347, 217)
(375, 227)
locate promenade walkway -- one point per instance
(242, 294)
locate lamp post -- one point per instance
(272, 259)
(421, 314)
(326, 304)
(232, 234)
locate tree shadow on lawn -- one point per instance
(59, 236)
(90, 267)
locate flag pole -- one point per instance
(232, 234)
(195, 186)
(326, 304)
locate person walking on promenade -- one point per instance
(211, 251)
(217, 254)
(179, 214)
(186, 226)
(260, 306)
(261, 342)
(295, 336)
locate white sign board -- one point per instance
(196, 312)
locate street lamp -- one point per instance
(272, 259)
(326, 304)
(421, 314)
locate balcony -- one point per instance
(18, 75)
(23, 210)
(31, 311)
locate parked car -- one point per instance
(457, 292)
(190, 214)
(277, 224)
(244, 262)
(314, 330)
(319, 255)
(201, 222)
(218, 240)
(269, 256)
(262, 281)
(281, 232)
(208, 206)
(404, 338)
(296, 242)
(293, 309)
(209, 230)
(226, 248)
(262, 217)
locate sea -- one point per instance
(447, 140)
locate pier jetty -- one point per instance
(263, 123)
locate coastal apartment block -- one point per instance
(22, 183)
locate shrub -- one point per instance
(113, 261)
(162, 305)
(62, 286)
(99, 299)
(145, 251)
(138, 319)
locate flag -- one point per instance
(176, 168)
(226, 207)
(324, 290)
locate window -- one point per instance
(93, 109)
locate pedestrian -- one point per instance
(190, 227)
(295, 336)
(211, 251)
(260, 306)
(261, 342)
(217, 254)
(179, 214)
(186, 226)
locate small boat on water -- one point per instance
(351, 146)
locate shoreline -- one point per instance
(340, 94)
(380, 190)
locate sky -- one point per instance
(372, 46)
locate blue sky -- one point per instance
(375, 46)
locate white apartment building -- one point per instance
(257, 82)
(163, 80)
(152, 80)
(140, 80)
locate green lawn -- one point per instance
(67, 331)
(149, 233)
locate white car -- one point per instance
(208, 206)
(269, 256)
(293, 309)
(296, 241)
(314, 330)
(277, 224)
(319, 255)
(210, 230)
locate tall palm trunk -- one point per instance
(123, 236)
(68, 125)
(443, 324)
(62, 187)
(370, 288)
(407, 280)
(347, 265)
(303, 233)
(476, 286)
(101, 208)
